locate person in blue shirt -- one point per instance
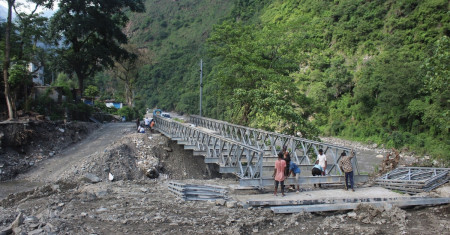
(294, 170)
(317, 170)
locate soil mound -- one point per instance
(23, 144)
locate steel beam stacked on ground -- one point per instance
(192, 192)
(414, 180)
(352, 206)
(325, 201)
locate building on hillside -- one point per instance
(112, 103)
(37, 73)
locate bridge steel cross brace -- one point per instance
(226, 152)
(301, 149)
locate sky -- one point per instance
(26, 7)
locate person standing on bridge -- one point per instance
(278, 173)
(317, 171)
(322, 161)
(294, 170)
(346, 166)
(287, 158)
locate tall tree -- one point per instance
(253, 74)
(91, 31)
(127, 70)
(6, 62)
(10, 102)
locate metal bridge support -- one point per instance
(247, 152)
(247, 160)
(301, 149)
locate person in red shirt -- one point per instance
(278, 173)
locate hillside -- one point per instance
(375, 71)
(173, 34)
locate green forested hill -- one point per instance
(375, 71)
(173, 33)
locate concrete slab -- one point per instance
(369, 192)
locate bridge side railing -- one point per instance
(226, 152)
(301, 149)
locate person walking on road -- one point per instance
(278, 173)
(346, 166)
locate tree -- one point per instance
(91, 31)
(436, 109)
(127, 70)
(63, 80)
(10, 101)
(18, 76)
(91, 91)
(254, 75)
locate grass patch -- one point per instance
(179, 120)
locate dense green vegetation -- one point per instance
(172, 34)
(375, 71)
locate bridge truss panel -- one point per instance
(227, 152)
(302, 150)
(414, 180)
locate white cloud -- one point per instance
(28, 7)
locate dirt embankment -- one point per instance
(24, 144)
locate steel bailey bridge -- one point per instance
(250, 153)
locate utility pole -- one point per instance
(201, 85)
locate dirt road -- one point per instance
(51, 169)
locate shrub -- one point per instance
(79, 111)
(128, 112)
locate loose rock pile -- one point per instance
(131, 158)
